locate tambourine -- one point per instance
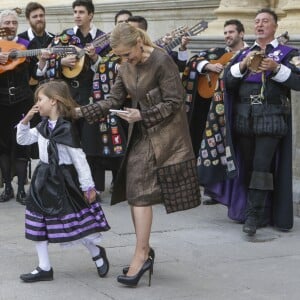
(255, 60)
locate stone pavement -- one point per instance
(200, 254)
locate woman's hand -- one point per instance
(133, 115)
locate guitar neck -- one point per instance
(25, 53)
(174, 43)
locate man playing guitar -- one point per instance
(16, 98)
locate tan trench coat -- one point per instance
(159, 164)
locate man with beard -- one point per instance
(198, 79)
(37, 35)
(16, 98)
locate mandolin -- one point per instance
(101, 41)
(17, 53)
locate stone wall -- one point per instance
(162, 16)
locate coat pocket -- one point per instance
(154, 96)
(179, 186)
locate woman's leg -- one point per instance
(142, 220)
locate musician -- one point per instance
(36, 34)
(16, 98)
(122, 16)
(262, 128)
(195, 77)
(81, 36)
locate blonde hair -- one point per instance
(127, 35)
(59, 90)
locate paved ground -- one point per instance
(200, 254)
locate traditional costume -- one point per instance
(56, 209)
(257, 105)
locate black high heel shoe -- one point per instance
(134, 280)
(150, 254)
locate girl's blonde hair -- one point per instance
(59, 90)
(127, 35)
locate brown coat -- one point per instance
(159, 164)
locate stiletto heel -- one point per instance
(134, 280)
(150, 273)
(151, 255)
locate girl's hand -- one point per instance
(90, 195)
(133, 115)
(30, 114)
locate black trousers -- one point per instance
(257, 153)
(198, 121)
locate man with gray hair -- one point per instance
(16, 98)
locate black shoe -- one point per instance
(151, 255)
(134, 280)
(40, 276)
(21, 197)
(250, 226)
(210, 202)
(7, 194)
(103, 270)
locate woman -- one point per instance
(159, 164)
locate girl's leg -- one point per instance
(43, 272)
(98, 256)
(142, 220)
(43, 255)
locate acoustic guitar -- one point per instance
(207, 82)
(180, 32)
(17, 53)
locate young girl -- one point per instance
(57, 210)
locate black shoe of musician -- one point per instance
(21, 197)
(7, 194)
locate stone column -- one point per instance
(234, 9)
(292, 11)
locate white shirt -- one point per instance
(67, 155)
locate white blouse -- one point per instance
(67, 155)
